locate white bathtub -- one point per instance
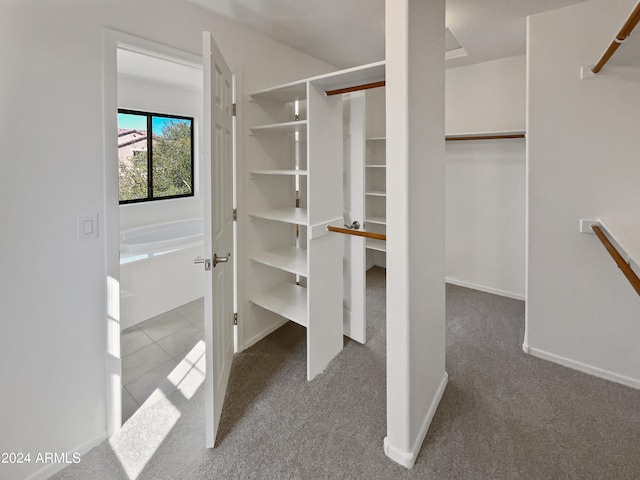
(161, 236)
(157, 273)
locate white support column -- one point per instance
(416, 375)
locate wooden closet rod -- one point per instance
(624, 32)
(484, 137)
(357, 233)
(356, 88)
(622, 264)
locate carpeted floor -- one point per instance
(504, 415)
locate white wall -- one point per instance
(136, 93)
(53, 306)
(486, 97)
(415, 107)
(485, 207)
(583, 162)
(486, 216)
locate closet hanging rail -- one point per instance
(624, 32)
(355, 88)
(622, 264)
(484, 137)
(357, 233)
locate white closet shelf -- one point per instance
(484, 135)
(296, 216)
(369, 73)
(287, 93)
(278, 172)
(379, 245)
(371, 165)
(286, 127)
(376, 219)
(287, 300)
(289, 259)
(376, 139)
(376, 193)
(293, 91)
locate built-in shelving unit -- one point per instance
(375, 175)
(293, 189)
(277, 199)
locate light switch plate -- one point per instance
(87, 227)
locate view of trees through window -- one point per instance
(155, 156)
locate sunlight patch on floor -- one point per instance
(190, 372)
(133, 461)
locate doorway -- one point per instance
(161, 227)
(146, 76)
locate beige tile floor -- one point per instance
(152, 349)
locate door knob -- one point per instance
(217, 259)
(206, 261)
(354, 226)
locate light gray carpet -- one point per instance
(504, 415)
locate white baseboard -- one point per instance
(408, 459)
(259, 336)
(483, 288)
(51, 469)
(583, 367)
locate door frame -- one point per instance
(112, 41)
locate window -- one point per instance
(155, 156)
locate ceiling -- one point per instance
(348, 33)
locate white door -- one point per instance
(218, 236)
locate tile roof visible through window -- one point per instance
(130, 140)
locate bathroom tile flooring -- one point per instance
(152, 349)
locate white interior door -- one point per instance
(218, 220)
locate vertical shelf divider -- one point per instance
(325, 253)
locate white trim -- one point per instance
(111, 229)
(157, 50)
(483, 288)
(408, 459)
(583, 367)
(53, 468)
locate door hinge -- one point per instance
(235, 214)
(235, 318)
(233, 109)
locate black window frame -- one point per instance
(149, 116)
